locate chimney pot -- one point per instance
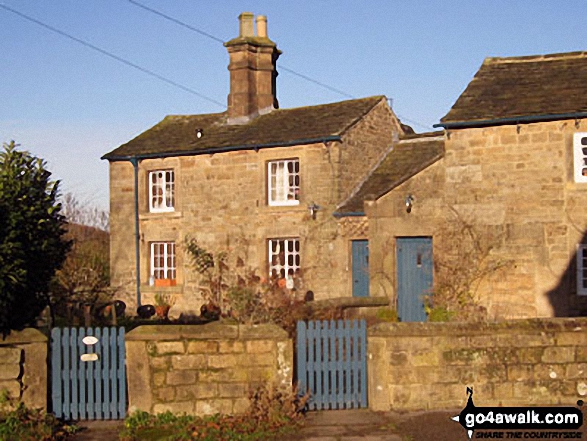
(262, 26)
(246, 24)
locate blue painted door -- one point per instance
(360, 256)
(414, 277)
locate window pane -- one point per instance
(162, 189)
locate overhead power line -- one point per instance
(113, 56)
(281, 66)
(220, 40)
(176, 21)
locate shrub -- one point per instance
(387, 315)
(31, 244)
(273, 412)
(18, 422)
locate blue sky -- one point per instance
(69, 104)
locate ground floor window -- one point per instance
(284, 258)
(163, 260)
(582, 270)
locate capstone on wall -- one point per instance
(514, 185)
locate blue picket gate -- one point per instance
(332, 363)
(91, 389)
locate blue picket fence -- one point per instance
(332, 363)
(88, 390)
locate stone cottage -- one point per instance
(257, 180)
(497, 202)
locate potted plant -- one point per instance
(163, 303)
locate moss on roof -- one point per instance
(176, 135)
(522, 87)
(406, 158)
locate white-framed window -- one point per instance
(582, 270)
(283, 182)
(580, 156)
(161, 191)
(284, 257)
(163, 260)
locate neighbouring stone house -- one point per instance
(510, 169)
(258, 180)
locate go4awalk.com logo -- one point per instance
(535, 423)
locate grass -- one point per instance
(170, 427)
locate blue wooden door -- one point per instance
(360, 257)
(414, 277)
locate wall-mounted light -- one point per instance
(409, 203)
(313, 208)
(199, 133)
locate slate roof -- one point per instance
(407, 157)
(518, 89)
(176, 135)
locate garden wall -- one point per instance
(204, 369)
(23, 367)
(420, 366)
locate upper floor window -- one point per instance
(161, 191)
(580, 156)
(163, 260)
(284, 258)
(283, 182)
(582, 270)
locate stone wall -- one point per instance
(420, 366)
(515, 186)
(221, 200)
(23, 367)
(204, 369)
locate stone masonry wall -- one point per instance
(364, 145)
(203, 370)
(418, 366)
(515, 186)
(23, 367)
(221, 200)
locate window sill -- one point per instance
(285, 208)
(151, 289)
(160, 215)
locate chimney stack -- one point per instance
(252, 71)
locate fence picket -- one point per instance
(121, 374)
(81, 375)
(311, 358)
(363, 363)
(112, 375)
(90, 380)
(340, 364)
(347, 370)
(98, 375)
(56, 374)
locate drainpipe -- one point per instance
(135, 163)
